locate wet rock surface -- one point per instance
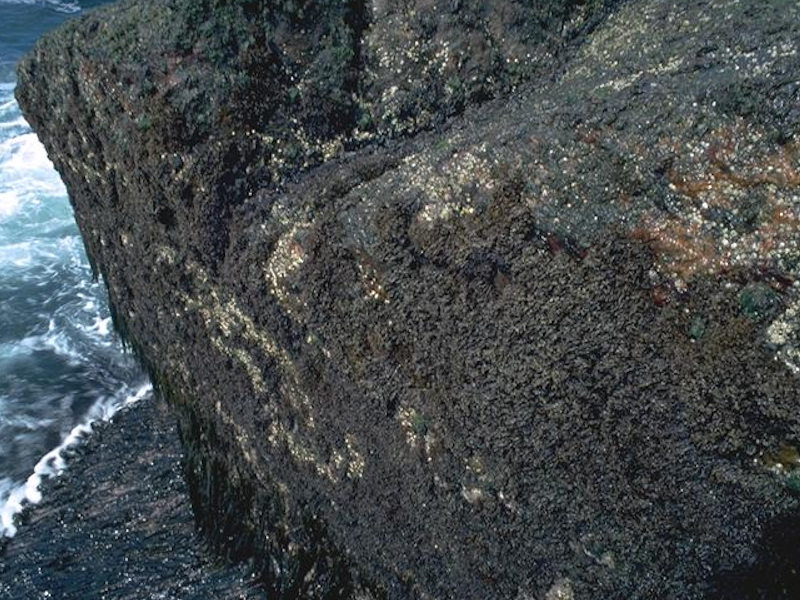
(528, 334)
(118, 524)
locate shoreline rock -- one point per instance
(118, 524)
(525, 352)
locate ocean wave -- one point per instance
(26, 178)
(55, 340)
(24, 422)
(100, 327)
(22, 154)
(62, 7)
(61, 366)
(14, 497)
(18, 123)
(32, 204)
(9, 204)
(76, 327)
(45, 256)
(9, 105)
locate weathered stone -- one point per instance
(416, 354)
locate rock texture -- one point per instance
(461, 300)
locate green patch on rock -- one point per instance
(757, 300)
(793, 482)
(697, 327)
(143, 123)
(419, 424)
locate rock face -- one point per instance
(456, 300)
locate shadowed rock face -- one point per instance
(524, 352)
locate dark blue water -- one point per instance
(61, 367)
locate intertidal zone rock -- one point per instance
(456, 300)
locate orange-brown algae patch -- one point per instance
(783, 460)
(682, 249)
(785, 463)
(738, 202)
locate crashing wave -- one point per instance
(15, 497)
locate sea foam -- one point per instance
(14, 498)
(60, 362)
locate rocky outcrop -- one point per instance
(465, 300)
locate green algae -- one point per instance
(697, 327)
(757, 300)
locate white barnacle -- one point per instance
(356, 463)
(560, 590)
(287, 256)
(408, 418)
(784, 334)
(473, 495)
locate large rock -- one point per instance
(465, 300)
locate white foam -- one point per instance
(18, 255)
(9, 204)
(26, 176)
(18, 122)
(55, 341)
(44, 253)
(60, 339)
(56, 5)
(23, 154)
(15, 497)
(101, 327)
(59, 342)
(41, 258)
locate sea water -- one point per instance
(61, 366)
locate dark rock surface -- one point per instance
(463, 300)
(118, 524)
